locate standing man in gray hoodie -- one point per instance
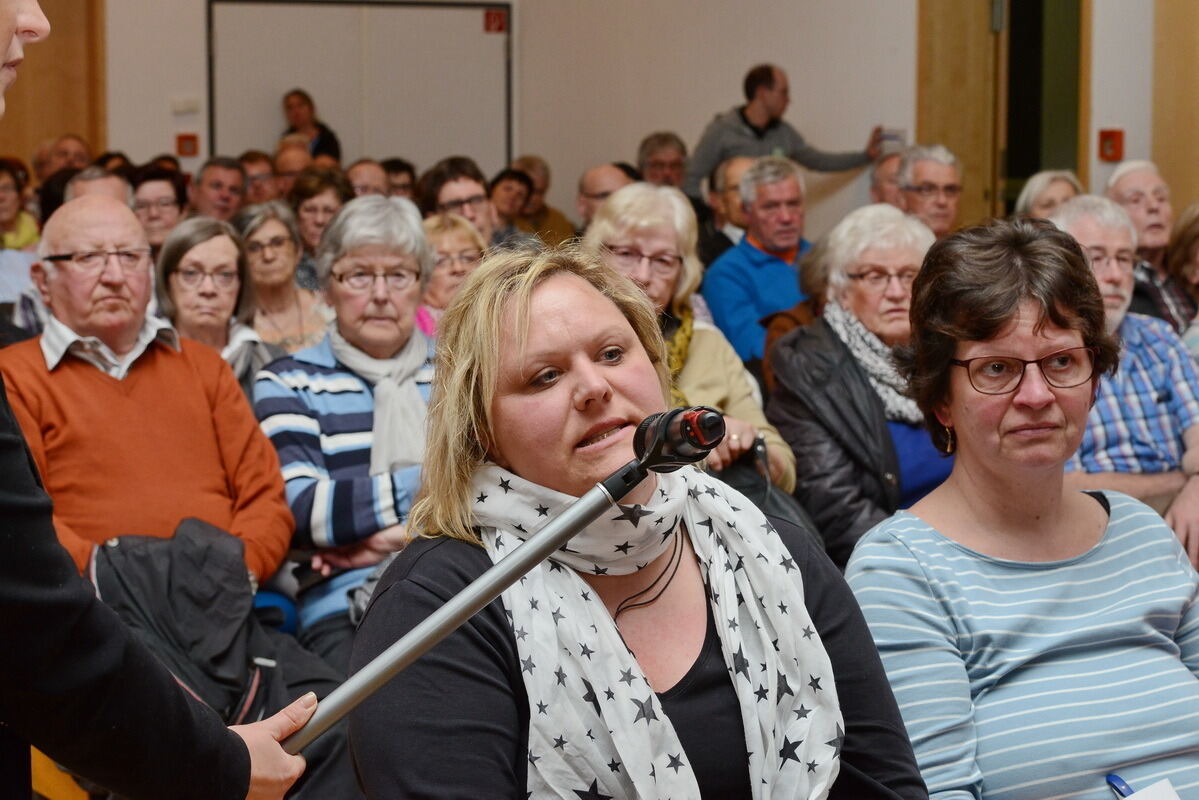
(757, 129)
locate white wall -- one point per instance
(156, 54)
(593, 78)
(1121, 80)
(596, 77)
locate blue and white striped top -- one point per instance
(1033, 680)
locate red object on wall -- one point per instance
(187, 145)
(495, 20)
(1111, 144)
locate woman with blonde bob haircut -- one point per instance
(649, 234)
(622, 665)
(1045, 191)
(458, 249)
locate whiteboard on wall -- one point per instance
(421, 81)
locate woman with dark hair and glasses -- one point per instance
(204, 289)
(1036, 638)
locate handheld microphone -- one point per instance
(669, 440)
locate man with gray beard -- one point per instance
(1142, 435)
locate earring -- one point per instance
(949, 442)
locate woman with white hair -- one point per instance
(1045, 191)
(860, 444)
(347, 415)
(649, 233)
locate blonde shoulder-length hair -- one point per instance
(496, 298)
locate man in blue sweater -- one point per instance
(760, 275)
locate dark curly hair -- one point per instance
(973, 282)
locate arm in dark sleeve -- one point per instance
(75, 683)
(454, 724)
(828, 481)
(876, 756)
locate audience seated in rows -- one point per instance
(458, 249)
(259, 169)
(726, 223)
(316, 195)
(401, 178)
(884, 179)
(1037, 638)
(159, 199)
(931, 182)
(367, 176)
(219, 189)
(1142, 192)
(594, 676)
(1142, 436)
(596, 185)
(135, 429)
(538, 217)
(508, 192)
(860, 445)
(760, 274)
(1045, 191)
(347, 416)
(649, 234)
(286, 314)
(291, 158)
(204, 290)
(1182, 264)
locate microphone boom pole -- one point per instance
(657, 450)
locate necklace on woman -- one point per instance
(668, 572)
(284, 339)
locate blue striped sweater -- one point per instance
(1033, 680)
(319, 417)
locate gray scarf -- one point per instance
(398, 435)
(875, 358)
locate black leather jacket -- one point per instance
(847, 472)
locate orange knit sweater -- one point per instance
(174, 439)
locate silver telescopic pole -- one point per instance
(442, 622)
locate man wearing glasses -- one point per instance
(931, 182)
(1142, 435)
(133, 428)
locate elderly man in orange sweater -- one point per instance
(132, 427)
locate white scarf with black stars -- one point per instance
(596, 728)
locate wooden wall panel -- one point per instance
(60, 86)
(1175, 89)
(957, 95)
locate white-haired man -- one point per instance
(1142, 192)
(930, 179)
(1142, 436)
(760, 275)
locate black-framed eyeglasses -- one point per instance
(456, 206)
(1063, 369)
(92, 261)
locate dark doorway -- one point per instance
(1043, 90)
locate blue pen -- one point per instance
(1119, 785)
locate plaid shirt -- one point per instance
(1168, 299)
(1141, 412)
